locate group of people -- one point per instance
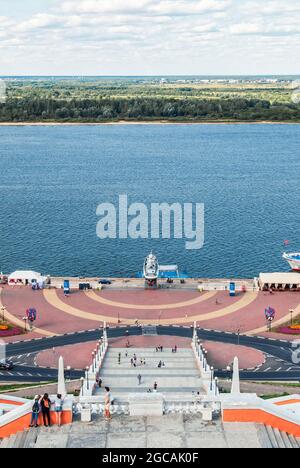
(159, 349)
(43, 405)
(134, 361)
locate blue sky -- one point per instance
(154, 37)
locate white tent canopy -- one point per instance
(282, 279)
(25, 277)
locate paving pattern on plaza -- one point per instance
(58, 314)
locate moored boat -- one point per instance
(293, 260)
(151, 268)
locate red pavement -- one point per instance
(248, 318)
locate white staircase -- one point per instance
(179, 377)
(275, 439)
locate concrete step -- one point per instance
(286, 440)
(150, 351)
(4, 443)
(272, 437)
(264, 436)
(150, 358)
(116, 371)
(12, 441)
(31, 438)
(19, 440)
(149, 330)
(279, 439)
(169, 392)
(165, 378)
(294, 441)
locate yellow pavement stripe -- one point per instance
(52, 298)
(19, 323)
(197, 300)
(276, 324)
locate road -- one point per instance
(279, 365)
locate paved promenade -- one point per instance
(214, 310)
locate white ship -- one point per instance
(151, 268)
(293, 260)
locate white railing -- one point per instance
(96, 406)
(89, 383)
(209, 382)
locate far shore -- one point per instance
(139, 122)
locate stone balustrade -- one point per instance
(209, 381)
(93, 371)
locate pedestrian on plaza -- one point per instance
(58, 405)
(100, 383)
(159, 365)
(135, 358)
(107, 401)
(46, 407)
(155, 387)
(175, 349)
(139, 379)
(36, 408)
(131, 362)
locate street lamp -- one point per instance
(216, 385)
(69, 372)
(82, 384)
(292, 313)
(87, 378)
(205, 359)
(25, 319)
(238, 334)
(93, 361)
(3, 310)
(211, 378)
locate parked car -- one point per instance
(105, 282)
(6, 365)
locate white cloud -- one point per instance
(152, 36)
(145, 7)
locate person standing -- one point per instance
(59, 403)
(107, 403)
(139, 379)
(46, 407)
(155, 387)
(35, 412)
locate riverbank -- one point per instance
(145, 122)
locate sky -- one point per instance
(149, 37)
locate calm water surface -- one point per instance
(53, 178)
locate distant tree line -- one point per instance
(145, 108)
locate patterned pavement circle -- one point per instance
(197, 300)
(53, 299)
(58, 315)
